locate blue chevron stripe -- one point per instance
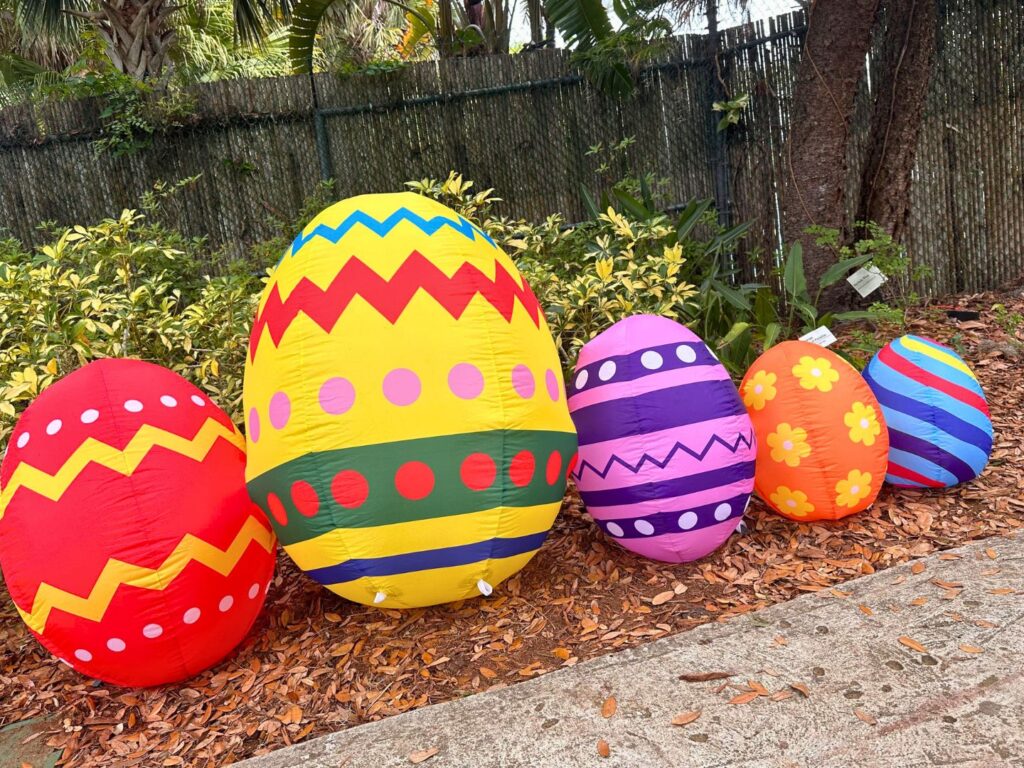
(382, 228)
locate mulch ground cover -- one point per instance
(315, 663)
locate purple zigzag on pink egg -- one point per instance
(745, 440)
(646, 388)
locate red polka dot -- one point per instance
(553, 471)
(521, 469)
(572, 464)
(349, 488)
(478, 471)
(414, 480)
(277, 509)
(304, 498)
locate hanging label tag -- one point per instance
(866, 281)
(822, 336)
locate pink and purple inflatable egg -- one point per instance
(666, 449)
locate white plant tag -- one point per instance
(822, 336)
(866, 281)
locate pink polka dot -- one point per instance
(466, 381)
(402, 386)
(522, 381)
(551, 379)
(254, 424)
(337, 395)
(280, 410)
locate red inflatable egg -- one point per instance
(127, 539)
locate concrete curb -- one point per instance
(940, 707)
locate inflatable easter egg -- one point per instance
(408, 432)
(822, 444)
(127, 539)
(666, 450)
(940, 433)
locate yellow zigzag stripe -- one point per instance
(117, 573)
(124, 462)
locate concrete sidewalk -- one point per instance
(873, 700)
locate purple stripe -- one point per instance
(629, 367)
(904, 442)
(677, 486)
(745, 440)
(446, 557)
(684, 520)
(655, 411)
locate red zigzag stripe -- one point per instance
(391, 297)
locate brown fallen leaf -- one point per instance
(865, 610)
(992, 554)
(971, 648)
(917, 567)
(1002, 591)
(865, 717)
(780, 640)
(562, 653)
(489, 673)
(912, 644)
(685, 718)
(919, 601)
(663, 597)
(705, 677)
(947, 584)
(985, 624)
(603, 749)
(744, 698)
(757, 688)
(802, 689)
(781, 695)
(419, 756)
(609, 707)
(949, 556)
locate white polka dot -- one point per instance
(864, 423)
(615, 529)
(787, 445)
(687, 520)
(644, 527)
(225, 603)
(169, 401)
(83, 655)
(89, 416)
(651, 360)
(197, 400)
(116, 644)
(854, 490)
(54, 427)
(686, 353)
(815, 372)
(191, 616)
(152, 631)
(23, 439)
(254, 590)
(132, 406)
(581, 379)
(607, 370)
(722, 512)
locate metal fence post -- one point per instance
(323, 146)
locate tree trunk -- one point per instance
(137, 35)
(835, 49)
(901, 81)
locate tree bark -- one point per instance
(835, 49)
(901, 80)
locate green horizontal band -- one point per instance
(379, 464)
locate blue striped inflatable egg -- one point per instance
(940, 430)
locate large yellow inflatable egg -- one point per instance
(407, 428)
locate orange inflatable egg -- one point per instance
(822, 445)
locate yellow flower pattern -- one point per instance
(815, 373)
(854, 489)
(793, 503)
(759, 390)
(863, 424)
(789, 444)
